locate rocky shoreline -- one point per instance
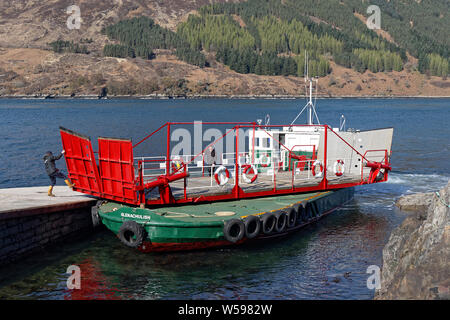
(416, 259)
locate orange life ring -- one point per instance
(320, 173)
(339, 167)
(373, 175)
(244, 173)
(219, 170)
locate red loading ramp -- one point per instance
(116, 169)
(80, 161)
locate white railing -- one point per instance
(300, 167)
(150, 167)
(201, 175)
(314, 169)
(345, 167)
(208, 180)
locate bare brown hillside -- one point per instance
(34, 23)
(27, 71)
(28, 67)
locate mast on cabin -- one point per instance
(310, 106)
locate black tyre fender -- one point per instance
(315, 210)
(132, 234)
(234, 230)
(303, 212)
(309, 214)
(252, 226)
(94, 213)
(281, 224)
(268, 223)
(291, 217)
(300, 213)
(298, 207)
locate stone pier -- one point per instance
(30, 220)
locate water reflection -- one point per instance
(324, 260)
(93, 284)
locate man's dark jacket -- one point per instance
(49, 162)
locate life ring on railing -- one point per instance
(218, 174)
(320, 172)
(339, 167)
(246, 170)
(264, 160)
(373, 175)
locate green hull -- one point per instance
(203, 225)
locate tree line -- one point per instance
(285, 27)
(138, 37)
(435, 65)
(270, 63)
(264, 46)
(376, 61)
(271, 37)
(60, 46)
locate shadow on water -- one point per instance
(319, 261)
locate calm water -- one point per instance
(327, 260)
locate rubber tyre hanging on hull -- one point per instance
(304, 212)
(94, 213)
(131, 234)
(291, 217)
(252, 227)
(281, 224)
(268, 223)
(234, 230)
(300, 211)
(309, 214)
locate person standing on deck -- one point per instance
(53, 172)
(210, 158)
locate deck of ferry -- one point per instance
(205, 185)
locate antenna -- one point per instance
(305, 71)
(310, 106)
(267, 119)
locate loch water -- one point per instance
(326, 260)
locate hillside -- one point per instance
(255, 47)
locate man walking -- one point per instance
(53, 172)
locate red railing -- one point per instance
(115, 178)
(376, 166)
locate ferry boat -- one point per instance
(273, 181)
